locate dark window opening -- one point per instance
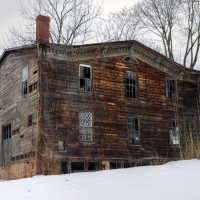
(85, 78)
(64, 168)
(21, 136)
(93, 166)
(24, 88)
(128, 165)
(32, 87)
(7, 132)
(171, 90)
(133, 129)
(115, 165)
(77, 166)
(30, 120)
(131, 89)
(16, 131)
(35, 72)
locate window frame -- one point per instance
(131, 85)
(87, 127)
(84, 78)
(175, 90)
(24, 81)
(134, 131)
(7, 133)
(174, 125)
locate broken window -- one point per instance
(133, 130)
(131, 89)
(24, 80)
(32, 87)
(174, 137)
(171, 90)
(30, 120)
(85, 78)
(86, 126)
(7, 132)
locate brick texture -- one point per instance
(42, 28)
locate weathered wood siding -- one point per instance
(63, 102)
(16, 107)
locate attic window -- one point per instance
(130, 60)
(85, 78)
(24, 80)
(131, 89)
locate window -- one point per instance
(32, 87)
(85, 78)
(131, 89)
(133, 130)
(30, 120)
(6, 132)
(24, 80)
(174, 138)
(61, 145)
(171, 90)
(85, 126)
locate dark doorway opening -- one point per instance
(64, 168)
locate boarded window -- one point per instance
(131, 89)
(174, 137)
(133, 130)
(24, 80)
(86, 126)
(171, 90)
(85, 78)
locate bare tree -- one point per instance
(190, 29)
(122, 25)
(71, 21)
(160, 18)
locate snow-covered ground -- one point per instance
(178, 180)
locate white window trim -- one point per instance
(90, 79)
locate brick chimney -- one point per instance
(42, 28)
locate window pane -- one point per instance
(24, 73)
(130, 84)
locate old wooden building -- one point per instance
(90, 107)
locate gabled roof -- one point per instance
(131, 48)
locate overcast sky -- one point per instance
(9, 13)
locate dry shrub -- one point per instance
(49, 165)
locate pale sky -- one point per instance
(9, 13)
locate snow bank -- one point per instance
(178, 180)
